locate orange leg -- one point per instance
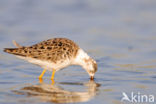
(52, 77)
(52, 82)
(40, 80)
(40, 77)
(53, 74)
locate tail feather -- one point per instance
(15, 51)
(16, 44)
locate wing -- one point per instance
(52, 50)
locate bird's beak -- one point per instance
(91, 77)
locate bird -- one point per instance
(55, 54)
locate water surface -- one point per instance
(119, 35)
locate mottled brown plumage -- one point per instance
(55, 54)
(52, 50)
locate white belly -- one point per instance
(47, 64)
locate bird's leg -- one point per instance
(40, 80)
(52, 81)
(53, 74)
(40, 77)
(52, 77)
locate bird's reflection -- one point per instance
(53, 92)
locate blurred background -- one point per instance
(119, 34)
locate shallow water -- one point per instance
(120, 35)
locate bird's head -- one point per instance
(86, 62)
(90, 66)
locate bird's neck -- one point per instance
(80, 57)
